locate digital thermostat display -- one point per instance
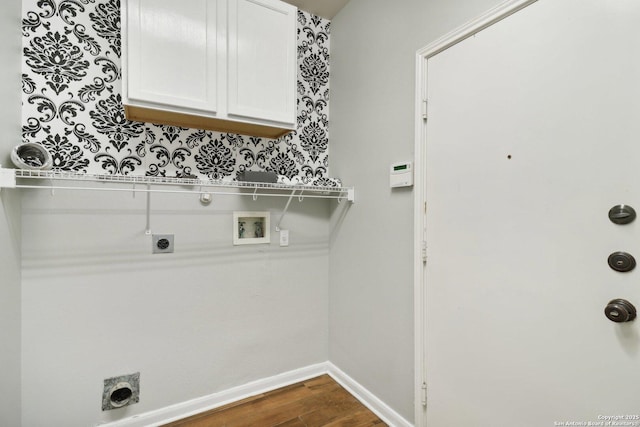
(401, 174)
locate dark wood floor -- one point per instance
(313, 403)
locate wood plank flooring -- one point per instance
(313, 403)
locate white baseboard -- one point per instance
(212, 401)
(206, 403)
(368, 399)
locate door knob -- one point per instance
(620, 310)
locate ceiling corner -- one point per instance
(324, 8)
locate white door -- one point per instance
(262, 60)
(172, 53)
(533, 135)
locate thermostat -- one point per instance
(401, 174)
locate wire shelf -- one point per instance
(20, 178)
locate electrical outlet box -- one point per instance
(162, 243)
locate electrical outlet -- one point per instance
(162, 243)
(284, 237)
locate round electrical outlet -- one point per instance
(163, 244)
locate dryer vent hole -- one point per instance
(121, 391)
(121, 396)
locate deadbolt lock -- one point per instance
(621, 261)
(620, 310)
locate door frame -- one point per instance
(463, 32)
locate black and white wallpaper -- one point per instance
(72, 104)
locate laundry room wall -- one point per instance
(210, 316)
(372, 106)
(10, 255)
(96, 303)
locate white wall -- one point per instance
(371, 261)
(10, 53)
(211, 316)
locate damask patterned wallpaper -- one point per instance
(72, 104)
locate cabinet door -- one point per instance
(262, 60)
(172, 50)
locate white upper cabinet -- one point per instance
(172, 53)
(226, 65)
(262, 62)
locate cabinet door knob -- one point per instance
(620, 310)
